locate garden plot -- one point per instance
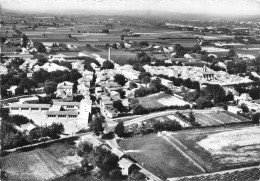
(182, 123)
(206, 119)
(221, 117)
(172, 101)
(233, 147)
(236, 116)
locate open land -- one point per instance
(195, 151)
(160, 100)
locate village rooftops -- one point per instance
(29, 105)
(65, 85)
(62, 113)
(125, 163)
(106, 102)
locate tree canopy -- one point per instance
(97, 124)
(120, 129)
(107, 65)
(120, 79)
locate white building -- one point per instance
(64, 90)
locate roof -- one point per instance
(65, 85)
(62, 113)
(117, 152)
(30, 105)
(107, 102)
(113, 93)
(29, 99)
(55, 108)
(125, 163)
(66, 103)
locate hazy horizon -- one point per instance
(210, 7)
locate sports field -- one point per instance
(192, 152)
(159, 156)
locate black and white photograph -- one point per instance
(130, 90)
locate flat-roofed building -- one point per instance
(67, 105)
(65, 90)
(14, 108)
(71, 114)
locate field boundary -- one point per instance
(184, 154)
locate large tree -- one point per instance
(120, 129)
(139, 109)
(40, 47)
(119, 106)
(155, 85)
(120, 79)
(40, 76)
(202, 103)
(215, 92)
(50, 87)
(27, 83)
(97, 125)
(107, 65)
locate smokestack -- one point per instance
(109, 53)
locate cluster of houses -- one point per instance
(200, 74)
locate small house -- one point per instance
(127, 166)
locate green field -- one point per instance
(151, 100)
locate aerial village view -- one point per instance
(113, 90)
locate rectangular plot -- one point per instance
(182, 123)
(236, 116)
(207, 119)
(220, 117)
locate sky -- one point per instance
(216, 7)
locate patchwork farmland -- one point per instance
(206, 118)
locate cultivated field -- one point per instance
(243, 174)
(220, 149)
(40, 164)
(35, 165)
(218, 118)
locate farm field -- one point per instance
(218, 118)
(221, 149)
(243, 174)
(40, 164)
(159, 156)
